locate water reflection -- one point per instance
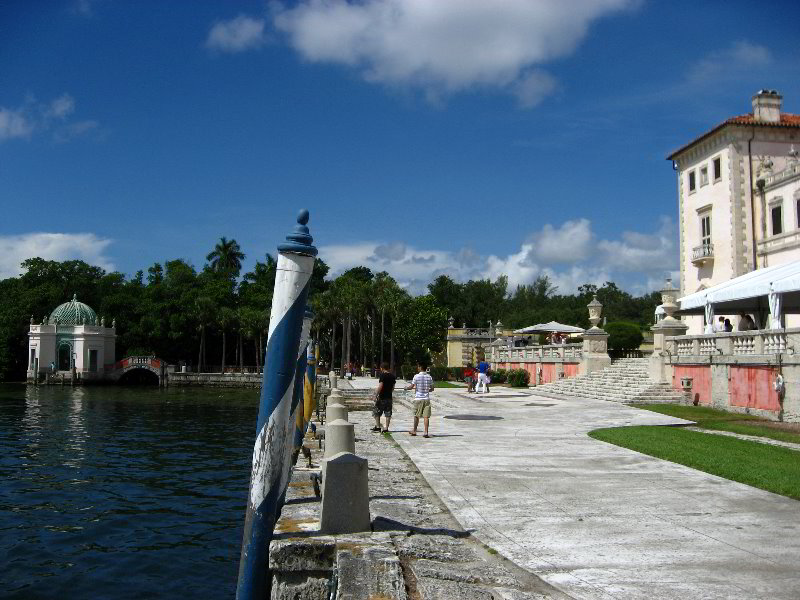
(122, 493)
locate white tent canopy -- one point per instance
(776, 288)
(551, 327)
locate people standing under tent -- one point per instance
(746, 323)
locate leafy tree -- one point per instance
(623, 336)
(421, 329)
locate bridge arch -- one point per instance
(139, 369)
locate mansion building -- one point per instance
(739, 199)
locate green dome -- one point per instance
(73, 313)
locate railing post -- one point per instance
(295, 265)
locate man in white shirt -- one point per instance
(422, 384)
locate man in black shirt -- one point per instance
(383, 398)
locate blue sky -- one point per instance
(465, 137)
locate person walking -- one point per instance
(422, 384)
(469, 377)
(483, 377)
(383, 398)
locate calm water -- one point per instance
(122, 492)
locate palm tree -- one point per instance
(204, 312)
(381, 291)
(226, 257)
(225, 317)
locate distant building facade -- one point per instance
(72, 336)
(739, 197)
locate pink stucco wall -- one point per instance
(751, 387)
(701, 384)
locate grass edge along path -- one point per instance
(771, 468)
(720, 420)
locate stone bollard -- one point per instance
(334, 379)
(345, 494)
(335, 408)
(340, 436)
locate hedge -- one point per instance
(518, 377)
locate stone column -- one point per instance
(595, 342)
(659, 367)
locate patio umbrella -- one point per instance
(551, 327)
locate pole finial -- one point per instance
(299, 241)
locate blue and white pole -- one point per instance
(297, 396)
(295, 265)
(298, 404)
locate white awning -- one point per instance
(551, 327)
(748, 291)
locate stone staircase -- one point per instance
(626, 381)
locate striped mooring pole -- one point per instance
(295, 265)
(297, 404)
(309, 390)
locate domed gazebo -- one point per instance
(71, 337)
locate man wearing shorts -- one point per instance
(383, 398)
(422, 384)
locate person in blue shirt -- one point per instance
(483, 376)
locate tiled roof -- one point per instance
(787, 120)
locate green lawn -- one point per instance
(770, 468)
(710, 418)
(448, 384)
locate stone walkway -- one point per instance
(438, 559)
(595, 520)
(749, 438)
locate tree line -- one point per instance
(217, 318)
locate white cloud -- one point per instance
(52, 246)
(639, 252)
(570, 255)
(14, 124)
(42, 117)
(445, 46)
(236, 35)
(569, 243)
(729, 63)
(60, 107)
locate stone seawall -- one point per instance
(245, 380)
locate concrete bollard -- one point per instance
(335, 408)
(334, 379)
(345, 494)
(340, 436)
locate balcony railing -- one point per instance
(744, 343)
(703, 253)
(571, 352)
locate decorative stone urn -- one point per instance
(660, 367)
(669, 298)
(595, 309)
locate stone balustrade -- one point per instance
(763, 342)
(538, 352)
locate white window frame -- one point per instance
(690, 175)
(773, 204)
(705, 240)
(704, 175)
(713, 160)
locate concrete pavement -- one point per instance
(593, 519)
